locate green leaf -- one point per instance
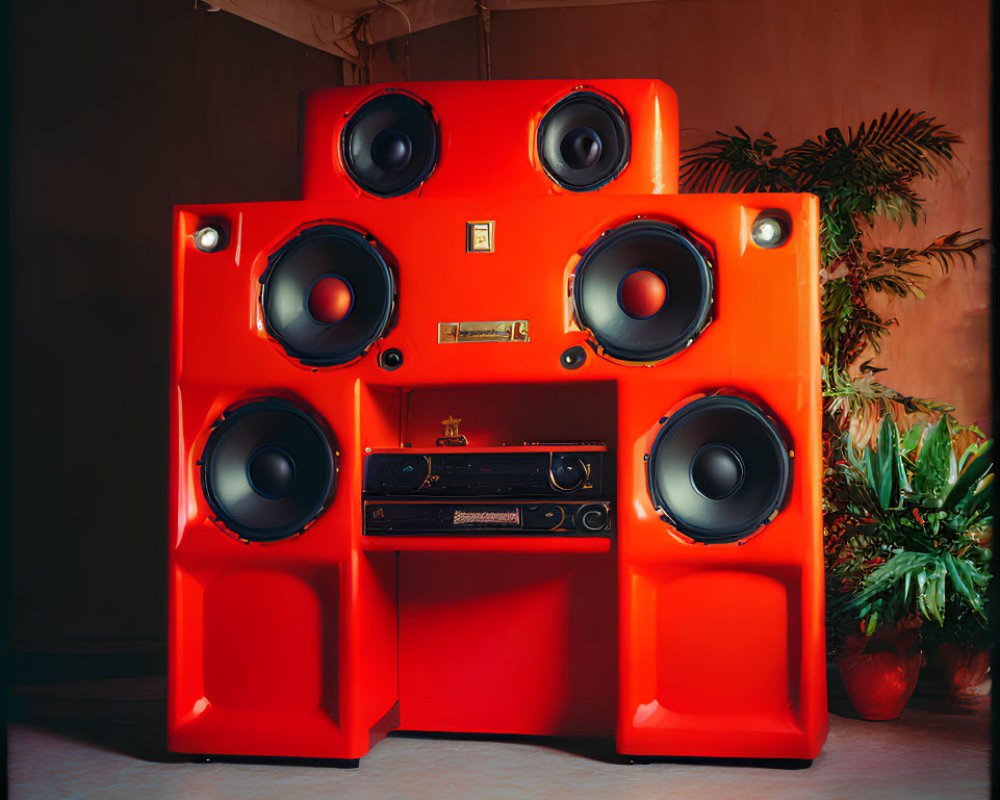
(852, 452)
(982, 498)
(933, 466)
(911, 439)
(885, 469)
(967, 580)
(974, 469)
(936, 594)
(968, 453)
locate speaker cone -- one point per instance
(583, 141)
(327, 295)
(644, 290)
(719, 469)
(267, 470)
(390, 144)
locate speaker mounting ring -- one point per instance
(719, 469)
(637, 330)
(315, 254)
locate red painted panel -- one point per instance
(507, 643)
(264, 643)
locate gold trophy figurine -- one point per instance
(451, 438)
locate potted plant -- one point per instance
(916, 556)
(860, 177)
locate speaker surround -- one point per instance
(719, 469)
(644, 290)
(268, 470)
(389, 145)
(583, 141)
(327, 295)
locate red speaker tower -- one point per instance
(494, 432)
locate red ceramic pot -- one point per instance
(966, 674)
(881, 674)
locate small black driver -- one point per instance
(390, 144)
(583, 141)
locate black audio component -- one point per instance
(519, 474)
(522, 517)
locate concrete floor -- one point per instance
(113, 751)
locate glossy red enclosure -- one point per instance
(488, 132)
(671, 633)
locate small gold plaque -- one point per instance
(479, 237)
(515, 330)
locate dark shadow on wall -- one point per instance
(119, 110)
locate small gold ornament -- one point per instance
(451, 438)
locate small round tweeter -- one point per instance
(391, 359)
(268, 470)
(327, 295)
(719, 469)
(644, 290)
(573, 357)
(390, 144)
(583, 141)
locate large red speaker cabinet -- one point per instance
(456, 454)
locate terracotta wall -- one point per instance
(119, 109)
(795, 68)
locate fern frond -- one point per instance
(897, 201)
(910, 141)
(894, 283)
(945, 251)
(734, 163)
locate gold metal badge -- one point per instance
(514, 330)
(510, 518)
(479, 237)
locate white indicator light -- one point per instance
(207, 239)
(768, 231)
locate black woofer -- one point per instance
(390, 144)
(327, 295)
(268, 470)
(644, 290)
(583, 141)
(719, 469)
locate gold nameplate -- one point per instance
(477, 519)
(479, 237)
(500, 331)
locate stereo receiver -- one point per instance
(576, 518)
(514, 490)
(496, 472)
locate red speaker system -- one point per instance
(494, 432)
